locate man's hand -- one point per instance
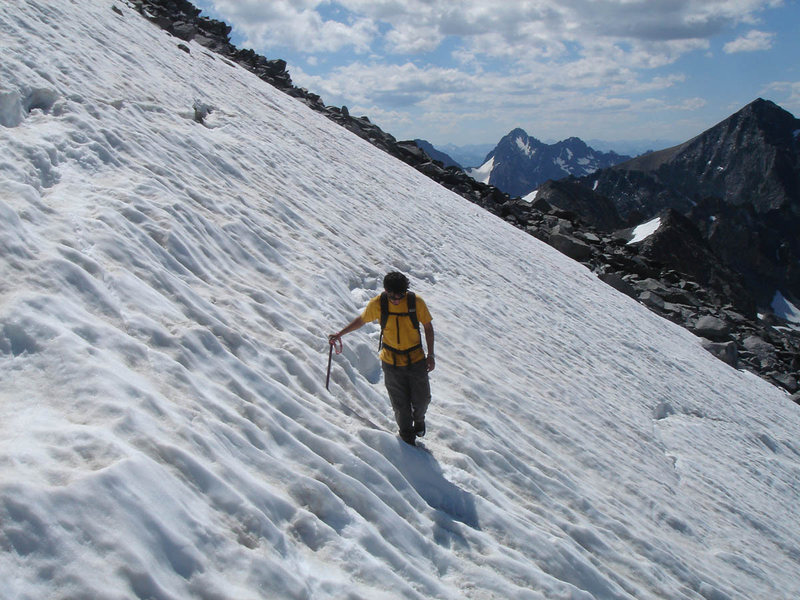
(429, 335)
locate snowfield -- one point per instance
(166, 289)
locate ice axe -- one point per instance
(332, 343)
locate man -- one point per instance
(405, 365)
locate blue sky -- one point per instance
(469, 71)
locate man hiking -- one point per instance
(405, 366)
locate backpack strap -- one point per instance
(384, 310)
(384, 317)
(412, 309)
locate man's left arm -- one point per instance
(428, 328)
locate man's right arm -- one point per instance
(356, 323)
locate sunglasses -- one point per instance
(392, 296)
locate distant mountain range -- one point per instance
(474, 155)
(519, 163)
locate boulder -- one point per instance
(541, 204)
(652, 299)
(616, 281)
(726, 351)
(763, 351)
(412, 150)
(184, 31)
(712, 328)
(570, 246)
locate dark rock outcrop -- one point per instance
(738, 182)
(763, 248)
(568, 194)
(750, 157)
(677, 243)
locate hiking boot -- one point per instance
(410, 440)
(419, 428)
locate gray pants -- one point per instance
(410, 392)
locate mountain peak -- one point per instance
(521, 163)
(517, 132)
(758, 128)
(777, 123)
(762, 105)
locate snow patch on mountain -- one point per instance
(785, 309)
(645, 230)
(530, 198)
(482, 173)
(524, 144)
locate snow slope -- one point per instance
(166, 288)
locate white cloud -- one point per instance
(785, 93)
(511, 28)
(389, 85)
(562, 60)
(436, 95)
(296, 24)
(405, 39)
(754, 40)
(687, 105)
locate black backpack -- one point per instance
(411, 314)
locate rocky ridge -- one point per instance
(738, 182)
(727, 322)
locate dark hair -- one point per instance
(395, 282)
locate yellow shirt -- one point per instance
(399, 332)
